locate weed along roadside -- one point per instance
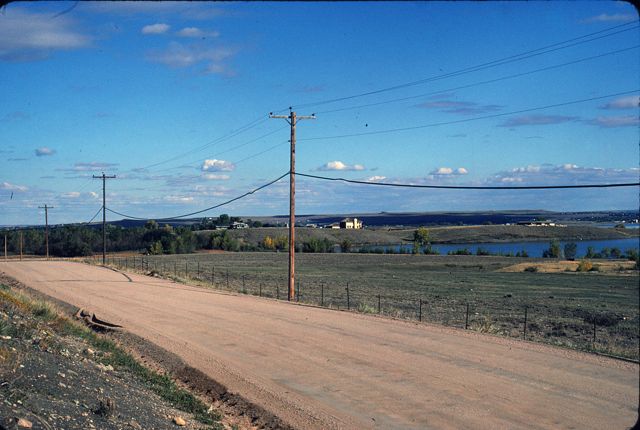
(505, 296)
(57, 373)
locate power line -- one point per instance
(465, 187)
(497, 115)
(206, 209)
(517, 75)
(94, 217)
(510, 59)
(231, 149)
(234, 133)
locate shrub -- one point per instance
(428, 250)
(464, 251)
(570, 250)
(531, 269)
(584, 266)
(554, 250)
(268, 243)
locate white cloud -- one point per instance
(340, 166)
(179, 56)
(630, 102)
(89, 167)
(217, 166)
(45, 151)
(214, 177)
(158, 28)
(615, 121)
(12, 187)
(196, 32)
(376, 178)
(444, 171)
(616, 17)
(190, 32)
(70, 195)
(529, 169)
(93, 194)
(178, 199)
(565, 174)
(27, 36)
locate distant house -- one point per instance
(540, 224)
(350, 223)
(237, 225)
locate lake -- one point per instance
(533, 249)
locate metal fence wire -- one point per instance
(564, 326)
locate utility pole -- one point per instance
(104, 215)
(46, 223)
(292, 119)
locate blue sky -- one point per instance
(173, 98)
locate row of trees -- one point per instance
(77, 240)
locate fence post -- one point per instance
(524, 333)
(198, 272)
(594, 330)
(260, 291)
(420, 311)
(348, 303)
(186, 269)
(213, 275)
(322, 294)
(466, 320)
(175, 268)
(227, 278)
(277, 292)
(298, 292)
(243, 288)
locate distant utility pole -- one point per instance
(292, 119)
(104, 214)
(46, 223)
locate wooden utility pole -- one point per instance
(46, 223)
(104, 215)
(292, 119)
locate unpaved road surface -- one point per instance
(317, 368)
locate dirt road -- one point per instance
(317, 368)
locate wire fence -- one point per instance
(564, 325)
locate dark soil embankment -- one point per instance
(55, 373)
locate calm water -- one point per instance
(534, 249)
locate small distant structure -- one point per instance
(546, 223)
(350, 223)
(237, 225)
